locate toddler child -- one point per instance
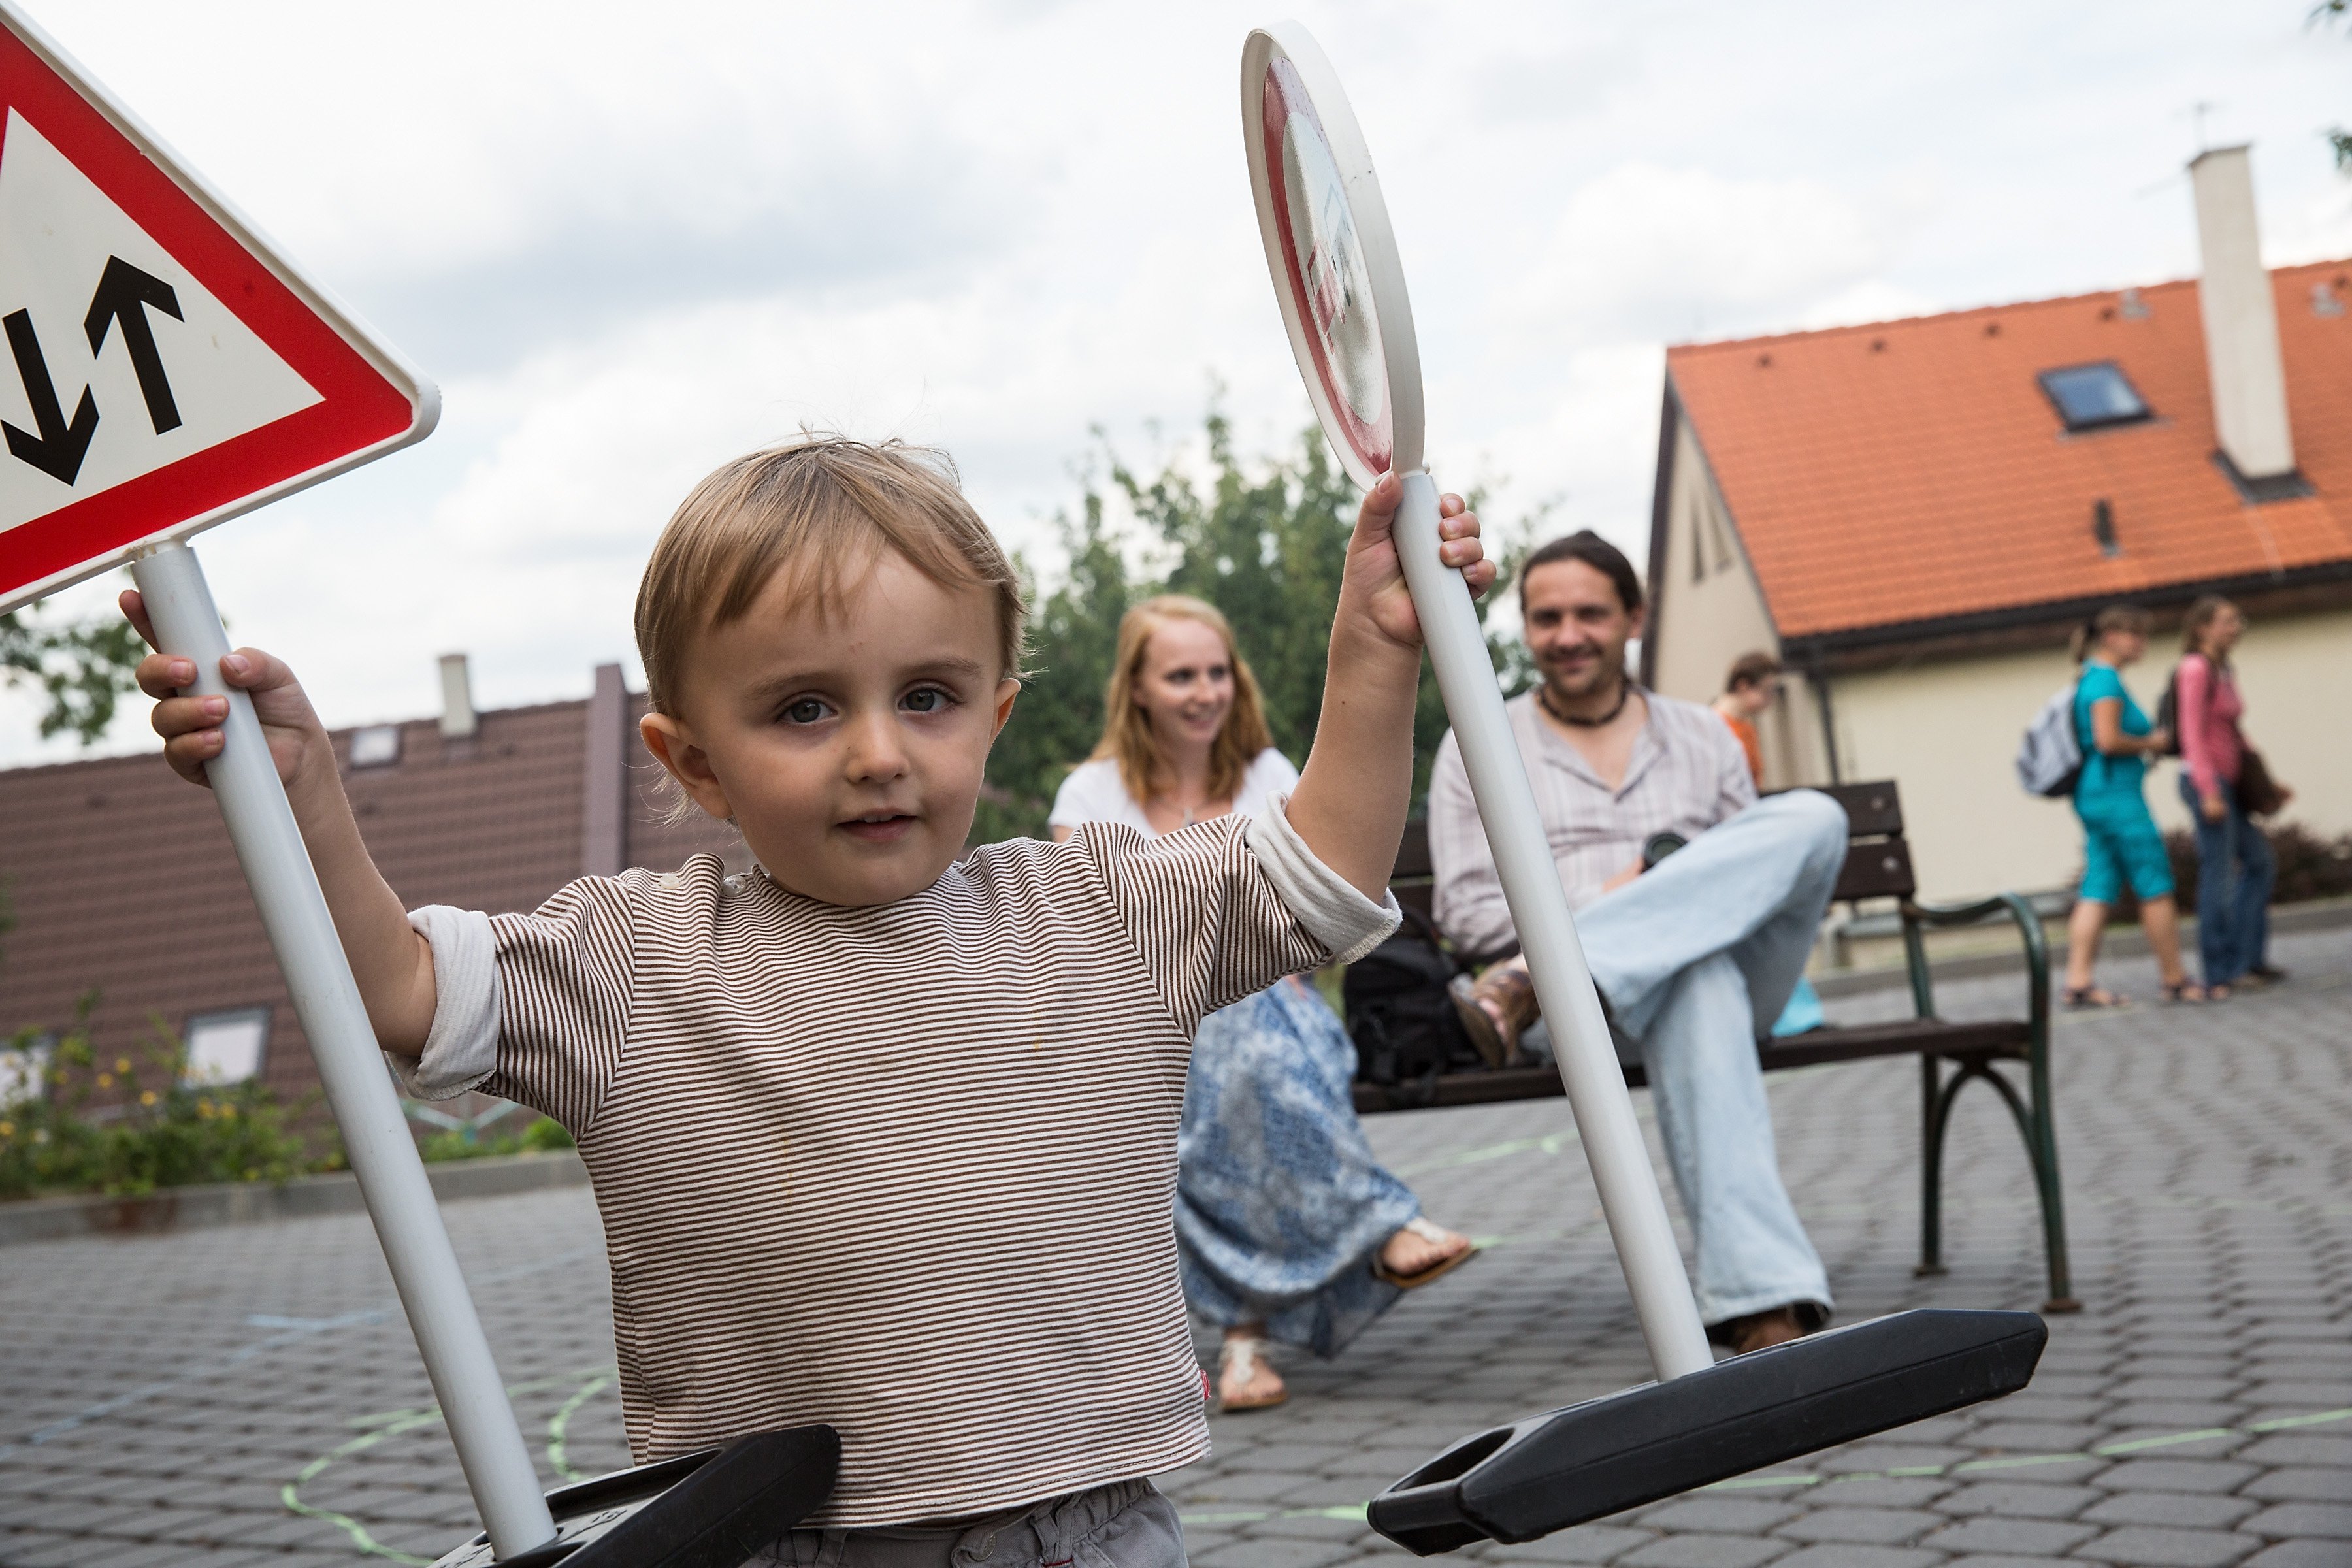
(881, 1136)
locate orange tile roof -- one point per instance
(1914, 470)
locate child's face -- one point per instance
(849, 750)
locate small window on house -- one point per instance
(2089, 397)
(227, 1048)
(25, 1068)
(377, 746)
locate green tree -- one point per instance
(1264, 539)
(82, 667)
(2326, 12)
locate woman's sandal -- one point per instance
(2182, 991)
(1245, 1376)
(2078, 997)
(1442, 1267)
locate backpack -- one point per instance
(2168, 714)
(2049, 760)
(1403, 1023)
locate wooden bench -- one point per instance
(1952, 1055)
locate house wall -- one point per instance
(1711, 611)
(1947, 731)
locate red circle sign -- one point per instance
(1325, 271)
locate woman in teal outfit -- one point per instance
(2121, 846)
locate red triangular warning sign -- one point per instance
(165, 367)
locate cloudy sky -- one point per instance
(630, 243)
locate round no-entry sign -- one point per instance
(1332, 254)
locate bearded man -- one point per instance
(1695, 956)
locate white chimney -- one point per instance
(2241, 335)
(458, 717)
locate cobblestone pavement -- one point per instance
(250, 1395)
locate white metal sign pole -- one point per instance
(327, 999)
(1630, 1199)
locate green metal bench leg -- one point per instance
(2042, 1142)
(1931, 1170)
(2041, 1150)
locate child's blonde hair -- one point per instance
(1126, 728)
(817, 510)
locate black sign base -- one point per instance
(709, 1510)
(1570, 1466)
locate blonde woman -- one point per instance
(1287, 1227)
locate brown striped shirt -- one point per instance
(907, 1169)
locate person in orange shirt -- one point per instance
(1750, 688)
(1753, 685)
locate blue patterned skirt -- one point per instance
(1280, 1206)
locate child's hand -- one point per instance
(1375, 579)
(191, 726)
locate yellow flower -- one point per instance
(122, 1064)
(204, 1108)
(228, 1110)
(106, 1080)
(253, 1172)
(7, 1130)
(147, 1096)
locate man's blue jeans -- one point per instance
(2235, 871)
(1697, 957)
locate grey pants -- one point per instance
(1127, 1524)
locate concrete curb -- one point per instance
(242, 1203)
(2122, 942)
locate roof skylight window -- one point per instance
(377, 746)
(2092, 397)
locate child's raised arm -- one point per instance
(1351, 799)
(393, 963)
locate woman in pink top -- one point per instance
(2234, 866)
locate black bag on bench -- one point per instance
(1399, 1014)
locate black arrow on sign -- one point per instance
(122, 291)
(58, 449)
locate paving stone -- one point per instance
(1866, 1526)
(2193, 1510)
(2298, 1554)
(2018, 1500)
(1259, 1551)
(2042, 1537)
(1717, 1512)
(2300, 1485)
(1585, 1543)
(1705, 1552)
(1843, 1554)
(2333, 1520)
(2146, 1547)
(2177, 1475)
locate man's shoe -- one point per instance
(1760, 1330)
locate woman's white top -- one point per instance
(1094, 792)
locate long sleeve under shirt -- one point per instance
(907, 1169)
(1687, 774)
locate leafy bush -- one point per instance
(2309, 867)
(160, 1134)
(543, 1136)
